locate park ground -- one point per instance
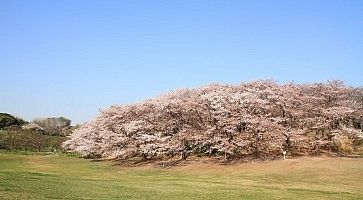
(65, 177)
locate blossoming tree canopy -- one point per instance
(259, 119)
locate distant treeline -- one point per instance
(29, 140)
(42, 134)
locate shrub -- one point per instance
(28, 140)
(343, 144)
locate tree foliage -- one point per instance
(8, 121)
(258, 119)
(28, 140)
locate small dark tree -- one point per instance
(7, 120)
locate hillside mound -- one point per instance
(260, 119)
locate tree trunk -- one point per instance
(143, 157)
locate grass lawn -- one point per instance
(62, 177)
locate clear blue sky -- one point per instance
(72, 58)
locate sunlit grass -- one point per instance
(64, 177)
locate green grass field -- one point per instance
(62, 177)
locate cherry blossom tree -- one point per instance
(259, 119)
